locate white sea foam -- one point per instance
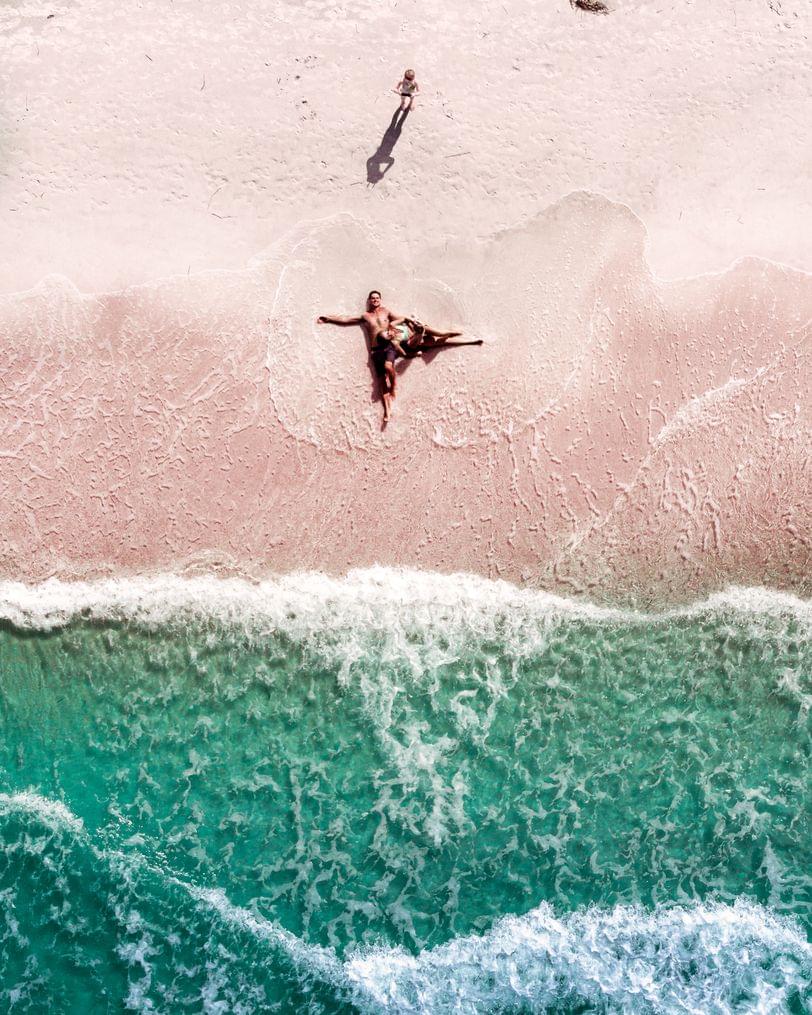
(52, 813)
(706, 957)
(363, 595)
(703, 958)
(298, 603)
(705, 407)
(311, 959)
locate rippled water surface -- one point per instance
(401, 792)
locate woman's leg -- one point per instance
(434, 335)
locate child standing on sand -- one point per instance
(407, 88)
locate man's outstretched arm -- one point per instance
(332, 319)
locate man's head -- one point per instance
(373, 300)
(409, 74)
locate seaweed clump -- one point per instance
(593, 6)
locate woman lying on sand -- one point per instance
(406, 339)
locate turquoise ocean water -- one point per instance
(401, 792)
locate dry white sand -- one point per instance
(203, 170)
(151, 139)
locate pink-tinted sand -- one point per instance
(185, 189)
(613, 432)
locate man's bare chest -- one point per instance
(376, 322)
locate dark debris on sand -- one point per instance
(593, 6)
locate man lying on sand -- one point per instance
(390, 336)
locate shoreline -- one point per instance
(363, 597)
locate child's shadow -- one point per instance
(381, 161)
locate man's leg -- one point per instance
(391, 377)
(387, 391)
(379, 363)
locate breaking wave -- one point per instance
(710, 957)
